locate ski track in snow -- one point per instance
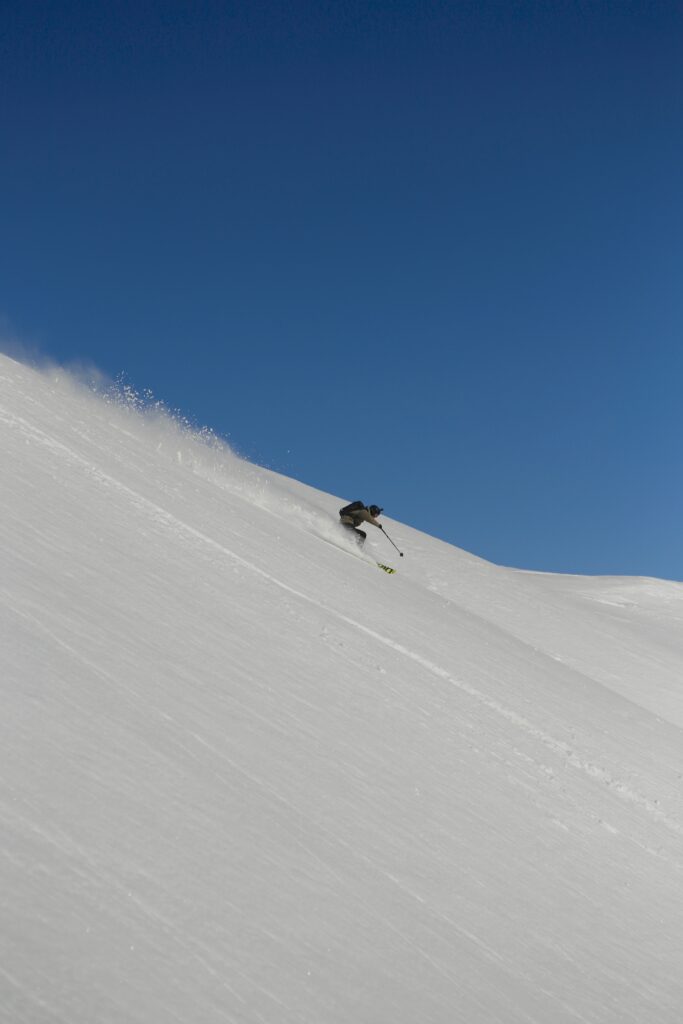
(177, 527)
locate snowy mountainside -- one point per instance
(248, 777)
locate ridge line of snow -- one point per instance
(536, 645)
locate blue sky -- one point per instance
(423, 254)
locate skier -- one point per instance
(351, 517)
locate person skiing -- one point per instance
(351, 517)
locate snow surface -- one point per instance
(248, 777)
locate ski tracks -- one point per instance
(177, 526)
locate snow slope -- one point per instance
(248, 777)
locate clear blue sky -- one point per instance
(425, 254)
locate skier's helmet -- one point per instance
(375, 510)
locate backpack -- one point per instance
(348, 510)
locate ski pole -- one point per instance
(391, 541)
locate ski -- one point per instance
(387, 568)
